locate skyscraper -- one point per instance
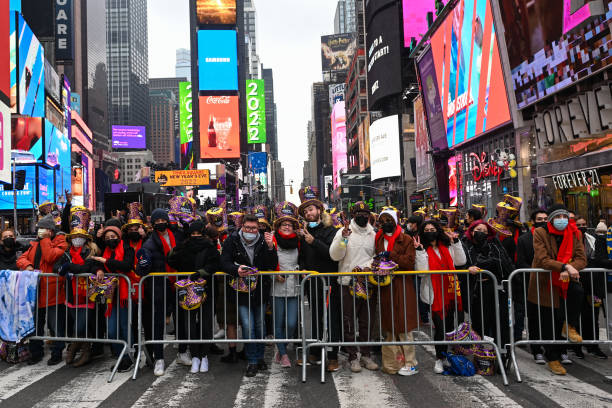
(250, 31)
(128, 62)
(271, 128)
(183, 64)
(345, 19)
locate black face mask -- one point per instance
(541, 224)
(480, 237)
(361, 221)
(582, 229)
(9, 242)
(161, 227)
(388, 227)
(430, 237)
(411, 233)
(134, 236)
(112, 243)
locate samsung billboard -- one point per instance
(218, 61)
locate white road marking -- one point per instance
(20, 376)
(277, 393)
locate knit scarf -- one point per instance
(286, 241)
(390, 239)
(79, 284)
(167, 247)
(117, 254)
(564, 255)
(447, 283)
(135, 279)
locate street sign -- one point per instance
(183, 178)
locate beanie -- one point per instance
(601, 228)
(47, 222)
(159, 214)
(555, 210)
(196, 226)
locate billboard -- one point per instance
(129, 137)
(337, 51)
(25, 196)
(385, 148)
(5, 52)
(415, 19)
(77, 185)
(63, 30)
(338, 130)
(216, 11)
(432, 100)
(66, 97)
(336, 94)
(218, 65)
(5, 143)
(219, 127)
(383, 50)
(258, 166)
(424, 164)
(183, 178)
(544, 57)
(186, 125)
(57, 153)
(46, 190)
(256, 111)
(26, 134)
(469, 73)
(29, 90)
(52, 82)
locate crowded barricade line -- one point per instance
(362, 309)
(563, 313)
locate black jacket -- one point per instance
(124, 266)
(315, 256)
(154, 249)
(8, 260)
(524, 256)
(490, 256)
(196, 256)
(597, 281)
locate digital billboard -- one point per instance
(544, 56)
(52, 82)
(46, 190)
(337, 51)
(385, 148)
(183, 178)
(25, 196)
(383, 51)
(338, 134)
(218, 65)
(216, 11)
(30, 79)
(424, 165)
(5, 143)
(432, 101)
(129, 137)
(5, 52)
(57, 153)
(219, 127)
(468, 72)
(336, 93)
(256, 111)
(415, 19)
(186, 125)
(258, 166)
(26, 134)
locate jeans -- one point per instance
(285, 323)
(252, 321)
(118, 330)
(82, 322)
(55, 317)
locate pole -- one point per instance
(15, 199)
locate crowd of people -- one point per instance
(562, 304)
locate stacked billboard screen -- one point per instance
(219, 127)
(27, 73)
(218, 65)
(464, 71)
(545, 50)
(216, 12)
(337, 51)
(129, 137)
(338, 129)
(385, 148)
(256, 111)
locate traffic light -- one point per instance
(20, 176)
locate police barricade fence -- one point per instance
(76, 309)
(556, 322)
(363, 309)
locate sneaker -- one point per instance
(369, 363)
(277, 358)
(125, 365)
(539, 359)
(333, 366)
(184, 359)
(160, 368)
(573, 335)
(556, 368)
(439, 367)
(598, 353)
(204, 365)
(35, 359)
(261, 365)
(408, 370)
(251, 370)
(285, 363)
(195, 365)
(565, 359)
(54, 360)
(355, 366)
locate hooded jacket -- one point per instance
(315, 256)
(358, 250)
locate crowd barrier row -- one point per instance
(320, 312)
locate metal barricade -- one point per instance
(274, 293)
(64, 316)
(387, 310)
(547, 322)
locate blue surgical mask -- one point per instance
(313, 224)
(249, 236)
(560, 224)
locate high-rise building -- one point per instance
(321, 133)
(271, 123)
(130, 164)
(128, 62)
(162, 136)
(340, 17)
(345, 19)
(183, 63)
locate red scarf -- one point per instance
(135, 279)
(449, 283)
(167, 248)
(564, 255)
(390, 239)
(79, 285)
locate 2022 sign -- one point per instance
(256, 111)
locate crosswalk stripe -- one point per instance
(253, 388)
(18, 377)
(277, 393)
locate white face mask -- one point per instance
(78, 242)
(42, 232)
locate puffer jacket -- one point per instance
(358, 250)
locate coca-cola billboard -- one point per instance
(219, 127)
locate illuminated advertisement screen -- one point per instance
(258, 166)
(216, 11)
(25, 196)
(46, 191)
(26, 135)
(338, 129)
(468, 73)
(5, 143)
(385, 148)
(218, 66)
(256, 111)
(415, 19)
(186, 125)
(219, 127)
(5, 51)
(544, 56)
(57, 153)
(424, 165)
(337, 51)
(30, 80)
(129, 137)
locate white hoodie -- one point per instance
(358, 251)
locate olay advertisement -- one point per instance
(219, 127)
(433, 106)
(338, 128)
(546, 50)
(469, 72)
(29, 97)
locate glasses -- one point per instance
(250, 229)
(286, 225)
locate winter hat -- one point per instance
(113, 222)
(601, 228)
(555, 210)
(159, 214)
(196, 226)
(390, 212)
(47, 222)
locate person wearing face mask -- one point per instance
(152, 257)
(315, 239)
(558, 248)
(413, 225)
(353, 246)
(8, 250)
(438, 250)
(42, 255)
(248, 248)
(398, 306)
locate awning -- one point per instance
(585, 162)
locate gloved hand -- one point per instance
(63, 269)
(144, 262)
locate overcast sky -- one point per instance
(288, 41)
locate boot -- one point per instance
(85, 355)
(71, 351)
